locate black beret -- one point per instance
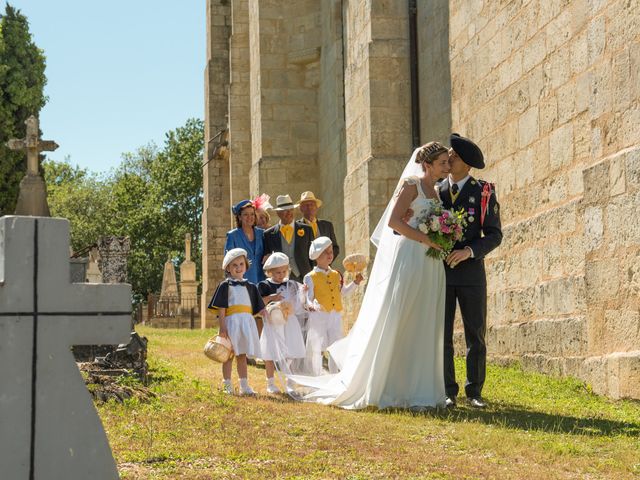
(469, 152)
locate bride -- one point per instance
(393, 355)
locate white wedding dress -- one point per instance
(393, 355)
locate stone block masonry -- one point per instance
(316, 96)
(548, 92)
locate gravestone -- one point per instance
(32, 199)
(169, 300)
(169, 290)
(94, 275)
(112, 258)
(188, 283)
(48, 424)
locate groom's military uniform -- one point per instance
(467, 282)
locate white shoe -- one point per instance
(272, 389)
(247, 390)
(227, 388)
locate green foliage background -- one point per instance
(22, 82)
(154, 197)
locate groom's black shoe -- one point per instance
(477, 402)
(450, 402)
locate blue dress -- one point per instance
(236, 238)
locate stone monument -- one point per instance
(188, 283)
(169, 290)
(169, 300)
(32, 199)
(94, 275)
(112, 258)
(49, 426)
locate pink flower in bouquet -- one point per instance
(444, 227)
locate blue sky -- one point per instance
(120, 73)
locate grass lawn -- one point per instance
(535, 427)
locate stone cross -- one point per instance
(32, 199)
(32, 144)
(48, 423)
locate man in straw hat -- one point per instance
(464, 267)
(290, 237)
(309, 206)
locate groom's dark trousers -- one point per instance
(467, 285)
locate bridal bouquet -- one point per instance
(444, 227)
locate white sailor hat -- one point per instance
(232, 254)
(275, 260)
(318, 246)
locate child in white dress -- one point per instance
(324, 302)
(281, 340)
(237, 301)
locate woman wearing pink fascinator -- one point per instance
(261, 203)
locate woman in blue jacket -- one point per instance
(249, 237)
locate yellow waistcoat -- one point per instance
(326, 289)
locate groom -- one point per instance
(464, 267)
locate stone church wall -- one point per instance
(551, 92)
(284, 72)
(216, 220)
(331, 125)
(316, 96)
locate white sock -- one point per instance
(227, 382)
(271, 381)
(244, 383)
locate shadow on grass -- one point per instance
(518, 417)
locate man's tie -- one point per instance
(287, 232)
(454, 192)
(314, 226)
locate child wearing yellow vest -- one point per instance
(324, 302)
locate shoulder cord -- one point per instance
(487, 190)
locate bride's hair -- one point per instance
(430, 151)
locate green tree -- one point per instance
(177, 173)
(81, 197)
(163, 191)
(154, 197)
(22, 82)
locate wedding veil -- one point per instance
(348, 353)
(385, 241)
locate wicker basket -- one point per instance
(219, 349)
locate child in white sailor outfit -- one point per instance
(281, 340)
(324, 302)
(236, 300)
